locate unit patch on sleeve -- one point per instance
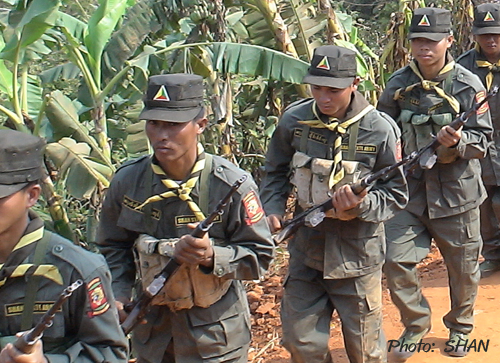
(481, 95)
(253, 208)
(399, 151)
(98, 301)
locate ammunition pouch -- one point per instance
(311, 176)
(187, 287)
(419, 130)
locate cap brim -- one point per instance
(436, 37)
(485, 30)
(170, 114)
(6, 190)
(333, 82)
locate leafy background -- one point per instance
(74, 72)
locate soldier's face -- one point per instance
(428, 52)
(333, 102)
(172, 141)
(13, 212)
(490, 45)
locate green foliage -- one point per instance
(74, 72)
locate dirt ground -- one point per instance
(264, 298)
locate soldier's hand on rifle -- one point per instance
(195, 251)
(275, 222)
(344, 200)
(11, 354)
(448, 136)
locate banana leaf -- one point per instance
(80, 173)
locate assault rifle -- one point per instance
(426, 157)
(314, 215)
(139, 307)
(26, 342)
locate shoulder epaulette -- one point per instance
(132, 162)
(466, 76)
(84, 261)
(296, 103)
(229, 173)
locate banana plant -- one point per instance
(23, 41)
(85, 44)
(396, 53)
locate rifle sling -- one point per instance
(34, 282)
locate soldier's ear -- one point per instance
(33, 193)
(202, 124)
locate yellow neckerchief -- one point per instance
(432, 85)
(183, 190)
(492, 67)
(335, 125)
(27, 269)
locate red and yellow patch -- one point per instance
(253, 208)
(97, 298)
(481, 95)
(399, 152)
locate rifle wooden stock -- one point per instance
(26, 342)
(139, 307)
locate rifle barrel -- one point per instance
(26, 342)
(139, 307)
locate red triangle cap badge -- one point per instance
(323, 64)
(424, 21)
(488, 17)
(161, 95)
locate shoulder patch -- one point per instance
(481, 95)
(97, 298)
(399, 151)
(253, 208)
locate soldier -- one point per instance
(424, 97)
(484, 61)
(324, 142)
(36, 266)
(202, 313)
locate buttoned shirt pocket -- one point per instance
(134, 220)
(362, 245)
(459, 185)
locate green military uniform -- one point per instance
(444, 201)
(87, 329)
(337, 264)
(243, 250)
(475, 61)
(41, 265)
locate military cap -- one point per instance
(174, 97)
(430, 23)
(486, 19)
(332, 66)
(21, 158)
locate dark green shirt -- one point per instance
(87, 328)
(456, 187)
(339, 248)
